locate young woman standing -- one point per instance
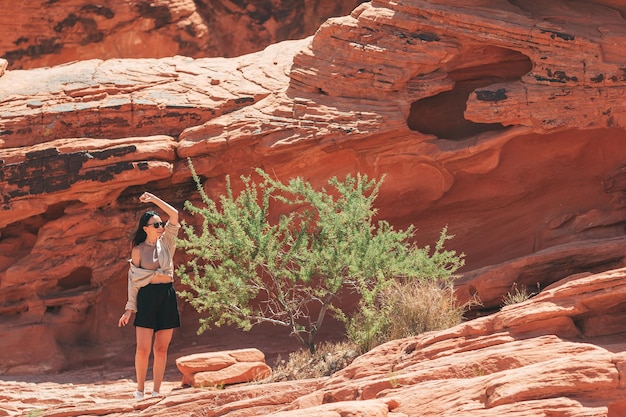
(151, 292)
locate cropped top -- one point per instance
(139, 277)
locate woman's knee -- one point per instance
(143, 350)
(162, 342)
(144, 341)
(160, 349)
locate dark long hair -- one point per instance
(140, 234)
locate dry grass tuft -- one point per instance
(518, 295)
(328, 358)
(420, 307)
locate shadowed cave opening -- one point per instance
(77, 278)
(442, 115)
(18, 239)
(74, 283)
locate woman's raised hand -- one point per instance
(147, 197)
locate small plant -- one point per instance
(478, 371)
(35, 413)
(329, 357)
(420, 307)
(517, 295)
(406, 308)
(393, 380)
(206, 385)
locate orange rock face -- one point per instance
(560, 353)
(502, 120)
(43, 33)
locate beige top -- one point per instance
(149, 256)
(163, 252)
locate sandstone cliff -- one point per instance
(502, 119)
(560, 353)
(41, 33)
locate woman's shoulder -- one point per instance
(136, 248)
(135, 254)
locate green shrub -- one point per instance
(245, 268)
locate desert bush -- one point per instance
(328, 358)
(406, 308)
(420, 307)
(245, 268)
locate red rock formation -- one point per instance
(44, 33)
(503, 120)
(560, 353)
(215, 369)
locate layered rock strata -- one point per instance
(503, 120)
(43, 33)
(560, 353)
(217, 369)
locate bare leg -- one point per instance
(142, 355)
(162, 340)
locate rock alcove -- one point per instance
(442, 115)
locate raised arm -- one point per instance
(166, 207)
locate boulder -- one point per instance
(223, 368)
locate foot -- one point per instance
(156, 394)
(138, 395)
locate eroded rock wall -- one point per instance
(43, 33)
(502, 120)
(558, 354)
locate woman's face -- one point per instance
(154, 232)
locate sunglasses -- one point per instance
(156, 225)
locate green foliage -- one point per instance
(409, 306)
(246, 267)
(366, 327)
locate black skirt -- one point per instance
(157, 307)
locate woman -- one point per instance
(151, 293)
